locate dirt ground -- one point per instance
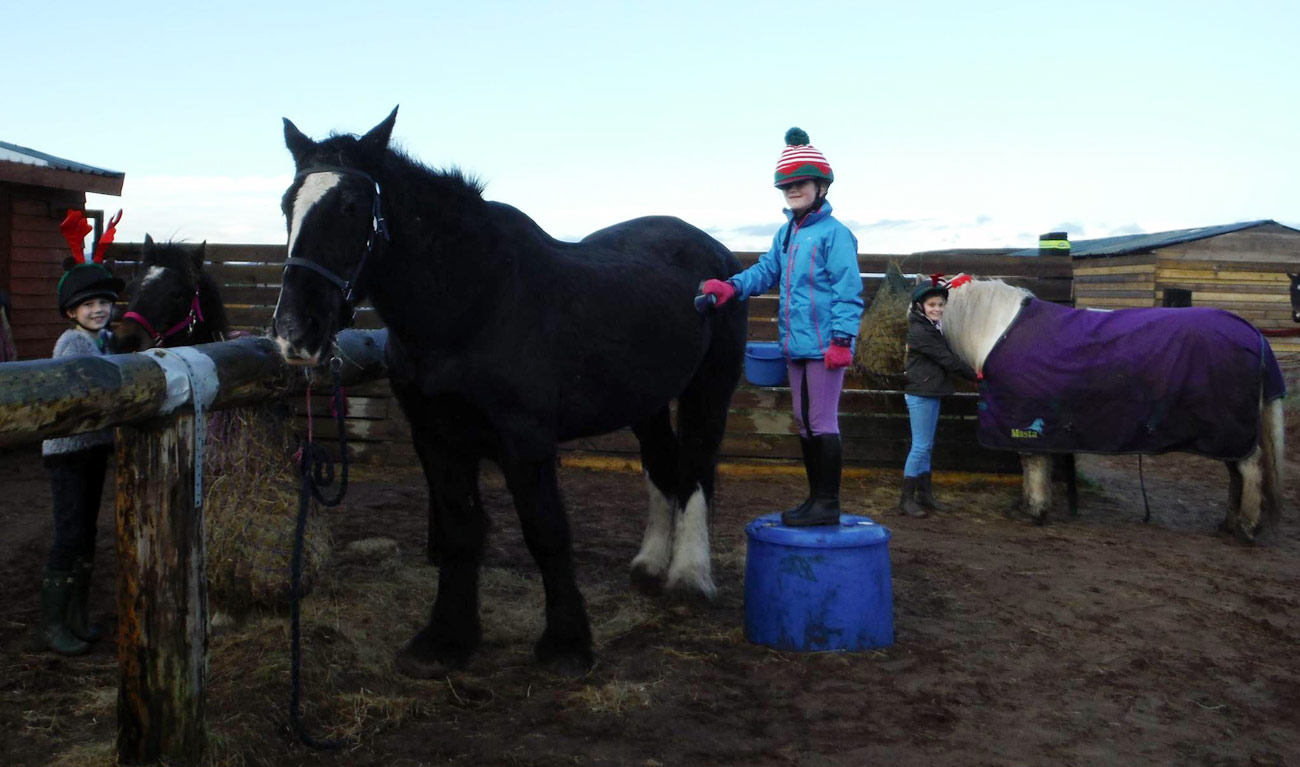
(1098, 640)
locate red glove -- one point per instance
(838, 356)
(722, 291)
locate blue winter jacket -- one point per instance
(821, 288)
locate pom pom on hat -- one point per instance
(800, 160)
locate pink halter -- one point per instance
(194, 317)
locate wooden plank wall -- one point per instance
(36, 254)
(761, 426)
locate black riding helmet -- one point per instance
(925, 291)
(86, 281)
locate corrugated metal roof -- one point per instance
(24, 156)
(1143, 243)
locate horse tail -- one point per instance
(1272, 438)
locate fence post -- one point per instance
(162, 596)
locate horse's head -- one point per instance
(164, 297)
(334, 219)
(1295, 297)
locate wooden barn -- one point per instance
(36, 191)
(1239, 267)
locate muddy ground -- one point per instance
(1099, 640)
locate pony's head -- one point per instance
(164, 306)
(335, 220)
(1295, 297)
(977, 314)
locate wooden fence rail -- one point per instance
(162, 641)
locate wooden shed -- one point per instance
(1239, 267)
(36, 191)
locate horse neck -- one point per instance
(977, 315)
(436, 275)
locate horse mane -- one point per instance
(977, 314)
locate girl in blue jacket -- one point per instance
(814, 260)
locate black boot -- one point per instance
(810, 466)
(79, 604)
(825, 506)
(925, 494)
(907, 502)
(56, 591)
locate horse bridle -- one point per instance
(193, 318)
(378, 229)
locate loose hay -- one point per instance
(882, 336)
(250, 508)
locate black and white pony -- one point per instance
(174, 302)
(504, 342)
(1226, 360)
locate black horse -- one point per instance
(174, 302)
(504, 342)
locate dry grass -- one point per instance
(882, 336)
(250, 508)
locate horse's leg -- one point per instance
(453, 632)
(659, 459)
(701, 421)
(1229, 523)
(426, 455)
(1037, 489)
(565, 645)
(1252, 497)
(1071, 485)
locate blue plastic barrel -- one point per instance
(818, 588)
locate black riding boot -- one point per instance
(825, 506)
(925, 494)
(810, 467)
(907, 502)
(56, 591)
(79, 604)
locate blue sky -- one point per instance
(947, 124)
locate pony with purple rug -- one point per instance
(1128, 381)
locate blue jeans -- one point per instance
(923, 412)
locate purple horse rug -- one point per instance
(1065, 380)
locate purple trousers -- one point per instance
(816, 394)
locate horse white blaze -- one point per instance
(313, 189)
(152, 275)
(656, 544)
(690, 569)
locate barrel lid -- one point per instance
(852, 531)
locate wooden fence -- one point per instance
(153, 397)
(761, 426)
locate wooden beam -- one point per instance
(56, 178)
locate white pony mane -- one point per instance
(977, 314)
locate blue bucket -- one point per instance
(818, 588)
(764, 363)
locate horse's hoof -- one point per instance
(420, 660)
(570, 660)
(1244, 535)
(645, 582)
(691, 594)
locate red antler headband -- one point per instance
(75, 227)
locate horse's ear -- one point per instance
(376, 141)
(200, 255)
(146, 248)
(297, 142)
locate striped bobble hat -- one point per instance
(800, 160)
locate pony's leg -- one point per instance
(565, 645)
(1037, 486)
(1071, 485)
(453, 632)
(1252, 497)
(659, 459)
(1229, 523)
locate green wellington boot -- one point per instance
(79, 604)
(56, 592)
